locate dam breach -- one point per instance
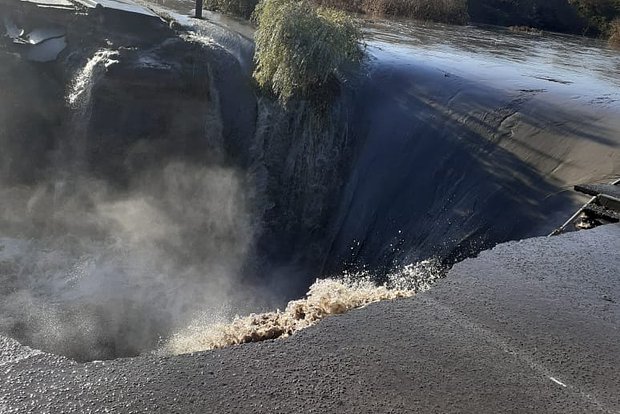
(146, 182)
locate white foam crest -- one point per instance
(84, 78)
(326, 297)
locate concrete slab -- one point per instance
(46, 51)
(599, 189)
(127, 6)
(121, 5)
(61, 4)
(42, 34)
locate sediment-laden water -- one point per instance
(325, 297)
(149, 194)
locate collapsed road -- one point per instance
(529, 326)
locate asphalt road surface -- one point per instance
(530, 326)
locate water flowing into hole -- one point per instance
(149, 193)
(326, 297)
(86, 77)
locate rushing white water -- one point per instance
(84, 79)
(326, 297)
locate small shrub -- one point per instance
(240, 8)
(548, 15)
(443, 11)
(301, 47)
(352, 6)
(614, 37)
(525, 29)
(598, 14)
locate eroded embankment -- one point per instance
(467, 344)
(121, 213)
(470, 137)
(144, 183)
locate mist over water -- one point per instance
(114, 249)
(96, 273)
(93, 267)
(325, 297)
(151, 201)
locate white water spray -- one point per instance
(326, 297)
(84, 79)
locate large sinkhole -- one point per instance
(99, 279)
(147, 188)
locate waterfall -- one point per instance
(80, 87)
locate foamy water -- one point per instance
(326, 297)
(103, 58)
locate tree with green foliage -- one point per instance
(300, 47)
(599, 15)
(614, 37)
(240, 8)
